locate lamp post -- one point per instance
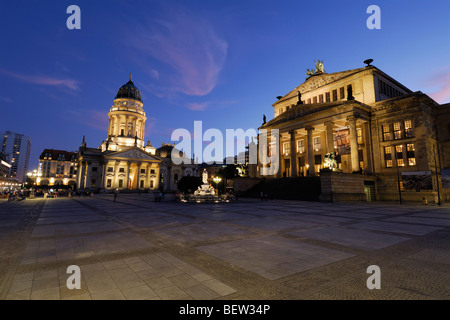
(398, 176)
(437, 177)
(217, 181)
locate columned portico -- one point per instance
(309, 138)
(353, 143)
(293, 161)
(330, 140)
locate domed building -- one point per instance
(124, 161)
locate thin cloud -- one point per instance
(6, 99)
(441, 82)
(198, 106)
(188, 45)
(44, 80)
(91, 118)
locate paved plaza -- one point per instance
(136, 248)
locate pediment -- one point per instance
(132, 154)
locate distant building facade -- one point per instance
(57, 168)
(383, 134)
(16, 148)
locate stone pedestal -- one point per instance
(338, 186)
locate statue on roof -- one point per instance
(299, 98)
(319, 66)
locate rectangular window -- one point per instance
(142, 170)
(327, 97)
(399, 155)
(286, 148)
(300, 146)
(342, 93)
(388, 156)
(108, 183)
(152, 171)
(408, 129)
(110, 169)
(318, 159)
(359, 135)
(410, 153)
(309, 101)
(335, 95)
(316, 143)
(93, 181)
(121, 169)
(321, 98)
(397, 130)
(315, 100)
(151, 184)
(387, 136)
(120, 183)
(141, 184)
(94, 169)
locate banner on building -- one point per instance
(445, 176)
(417, 180)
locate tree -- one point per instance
(189, 184)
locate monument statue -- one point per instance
(319, 66)
(330, 161)
(264, 118)
(299, 98)
(205, 177)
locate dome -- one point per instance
(129, 91)
(165, 151)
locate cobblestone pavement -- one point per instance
(136, 248)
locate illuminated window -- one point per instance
(300, 146)
(399, 151)
(316, 143)
(286, 148)
(388, 156)
(359, 135)
(387, 136)
(410, 153)
(408, 129)
(397, 130)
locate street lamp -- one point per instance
(217, 181)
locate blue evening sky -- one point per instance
(219, 61)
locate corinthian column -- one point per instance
(353, 143)
(311, 171)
